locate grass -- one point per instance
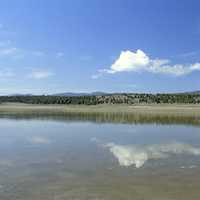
(165, 109)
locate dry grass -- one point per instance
(164, 109)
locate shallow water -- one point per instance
(72, 158)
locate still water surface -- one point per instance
(64, 159)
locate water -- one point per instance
(76, 158)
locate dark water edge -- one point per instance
(100, 117)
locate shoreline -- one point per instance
(174, 109)
(132, 114)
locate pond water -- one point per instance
(59, 158)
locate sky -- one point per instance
(49, 46)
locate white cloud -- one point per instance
(137, 155)
(40, 74)
(130, 61)
(139, 61)
(38, 53)
(189, 54)
(59, 54)
(99, 74)
(8, 51)
(5, 43)
(95, 76)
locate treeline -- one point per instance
(126, 98)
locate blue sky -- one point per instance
(51, 46)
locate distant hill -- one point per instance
(195, 92)
(99, 93)
(73, 94)
(192, 92)
(20, 95)
(106, 98)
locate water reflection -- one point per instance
(39, 140)
(137, 155)
(43, 158)
(128, 118)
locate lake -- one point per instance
(99, 157)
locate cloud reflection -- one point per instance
(137, 155)
(40, 140)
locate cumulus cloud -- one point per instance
(137, 155)
(130, 61)
(40, 74)
(139, 61)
